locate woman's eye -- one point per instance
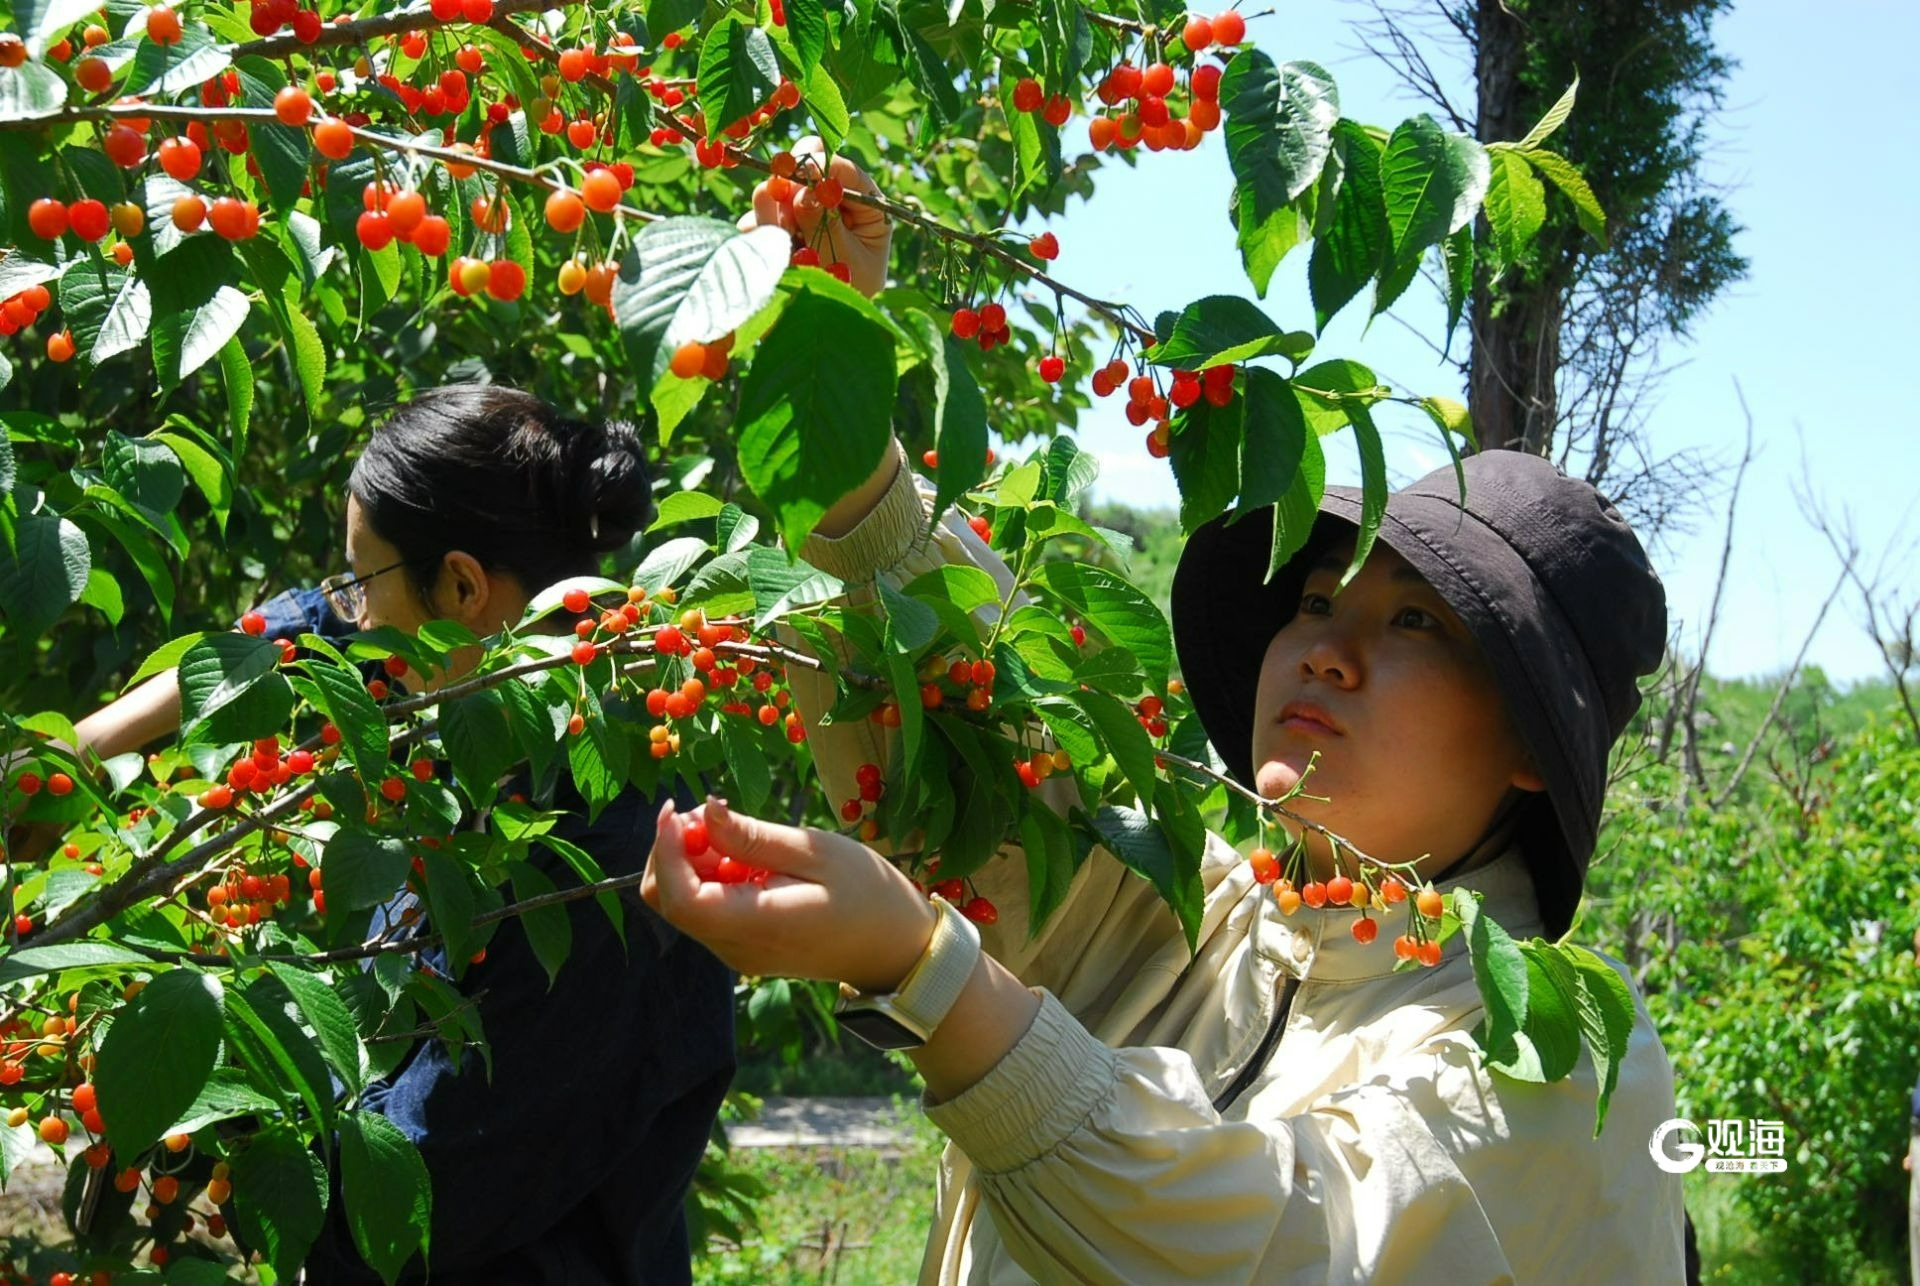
(1310, 603)
(1424, 619)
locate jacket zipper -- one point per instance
(1268, 1043)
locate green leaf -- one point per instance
(479, 741)
(548, 929)
(1457, 253)
(807, 29)
(280, 1195)
(1604, 1006)
(103, 594)
(268, 1012)
(1422, 178)
(168, 69)
(1273, 439)
(43, 574)
(748, 771)
(386, 1191)
(341, 696)
(1586, 206)
(829, 109)
(1114, 608)
(1356, 246)
(1373, 487)
(146, 472)
(1549, 1043)
(1263, 243)
(219, 670)
(738, 71)
(1130, 835)
(1279, 123)
(780, 584)
(686, 506)
(693, 280)
(959, 412)
(363, 870)
(450, 902)
(211, 473)
(40, 22)
(183, 342)
(1225, 329)
(156, 1057)
(107, 308)
(31, 962)
(225, 1096)
(815, 414)
(1205, 455)
(236, 375)
(1125, 739)
(327, 1014)
(668, 561)
(911, 624)
(1516, 204)
(1050, 864)
(1556, 117)
(1499, 971)
(31, 89)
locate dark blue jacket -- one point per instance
(572, 1164)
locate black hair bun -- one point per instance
(611, 487)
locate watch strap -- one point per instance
(936, 980)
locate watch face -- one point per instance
(879, 1030)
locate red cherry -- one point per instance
(293, 105)
(1197, 34)
(575, 600)
(179, 157)
(584, 653)
(1365, 929)
(1045, 246)
(1157, 80)
(1229, 28)
(253, 623)
(1052, 368)
(981, 911)
(1027, 95)
(89, 219)
(965, 325)
(1205, 83)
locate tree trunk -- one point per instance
(1516, 331)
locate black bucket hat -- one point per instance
(1539, 566)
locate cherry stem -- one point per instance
(1278, 806)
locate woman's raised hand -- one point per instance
(830, 906)
(860, 237)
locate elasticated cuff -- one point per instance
(1035, 1098)
(880, 539)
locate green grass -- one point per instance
(872, 1207)
(852, 1070)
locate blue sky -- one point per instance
(1815, 335)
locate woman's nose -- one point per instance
(1331, 658)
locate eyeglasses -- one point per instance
(346, 593)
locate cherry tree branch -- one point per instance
(354, 32)
(156, 874)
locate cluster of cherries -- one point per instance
(712, 865)
(708, 361)
(243, 898)
(697, 639)
(1344, 890)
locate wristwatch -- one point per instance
(906, 1018)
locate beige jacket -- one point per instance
(1367, 1145)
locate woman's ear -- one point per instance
(465, 589)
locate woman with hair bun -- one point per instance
(466, 502)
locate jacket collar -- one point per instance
(1320, 946)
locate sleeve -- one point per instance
(293, 612)
(1106, 910)
(1110, 1165)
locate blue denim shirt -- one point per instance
(572, 1164)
